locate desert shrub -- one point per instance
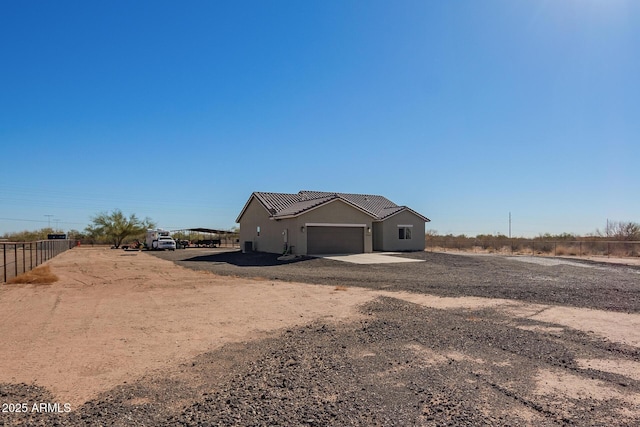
(544, 247)
(621, 230)
(566, 250)
(558, 244)
(39, 275)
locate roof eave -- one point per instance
(245, 208)
(405, 208)
(246, 205)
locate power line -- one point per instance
(40, 220)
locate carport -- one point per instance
(226, 237)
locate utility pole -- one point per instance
(49, 218)
(509, 224)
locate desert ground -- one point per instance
(211, 337)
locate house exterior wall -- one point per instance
(336, 212)
(270, 238)
(389, 238)
(378, 235)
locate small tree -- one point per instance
(621, 230)
(115, 227)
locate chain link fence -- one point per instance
(19, 257)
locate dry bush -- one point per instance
(623, 251)
(340, 288)
(567, 250)
(39, 275)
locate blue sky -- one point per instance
(463, 110)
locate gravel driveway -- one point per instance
(539, 280)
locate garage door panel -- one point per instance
(335, 240)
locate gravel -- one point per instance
(397, 364)
(561, 282)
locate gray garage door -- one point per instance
(335, 240)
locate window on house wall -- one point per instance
(404, 233)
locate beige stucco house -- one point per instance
(316, 222)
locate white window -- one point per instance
(404, 233)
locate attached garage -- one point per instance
(331, 239)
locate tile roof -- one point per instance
(282, 205)
(276, 202)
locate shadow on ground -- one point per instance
(252, 259)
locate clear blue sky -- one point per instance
(463, 110)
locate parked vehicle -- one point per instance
(159, 240)
(209, 243)
(182, 244)
(135, 245)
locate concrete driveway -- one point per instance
(371, 258)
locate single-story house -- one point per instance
(318, 222)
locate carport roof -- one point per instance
(208, 230)
(285, 205)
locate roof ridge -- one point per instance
(305, 195)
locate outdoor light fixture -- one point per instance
(368, 229)
(302, 229)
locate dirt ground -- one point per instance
(115, 314)
(127, 338)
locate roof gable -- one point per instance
(316, 203)
(370, 203)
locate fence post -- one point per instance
(24, 259)
(581, 248)
(555, 252)
(4, 263)
(15, 258)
